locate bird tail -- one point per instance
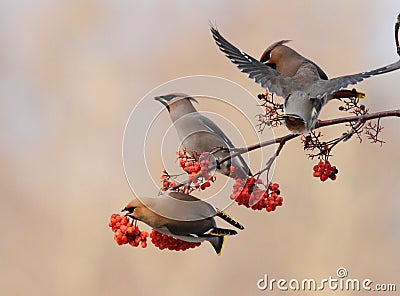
(218, 243)
(216, 236)
(229, 219)
(221, 232)
(347, 93)
(293, 116)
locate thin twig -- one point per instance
(321, 123)
(382, 114)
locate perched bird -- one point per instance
(305, 93)
(287, 61)
(182, 216)
(198, 133)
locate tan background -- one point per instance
(71, 71)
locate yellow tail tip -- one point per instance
(360, 95)
(223, 244)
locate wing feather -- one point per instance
(262, 74)
(323, 87)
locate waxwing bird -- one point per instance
(183, 216)
(287, 61)
(305, 93)
(200, 134)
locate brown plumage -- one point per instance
(182, 216)
(198, 133)
(306, 91)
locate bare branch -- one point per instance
(239, 151)
(271, 159)
(322, 123)
(372, 130)
(382, 114)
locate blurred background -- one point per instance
(72, 71)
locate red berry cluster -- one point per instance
(267, 198)
(126, 233)
(163, 241)
(196, 165)
(188, 161)
(323, 170)
(166, 181)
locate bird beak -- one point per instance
(127, 214)
(162, 100)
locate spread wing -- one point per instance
(323, 87)
(264, 75)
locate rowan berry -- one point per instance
(324, 170)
